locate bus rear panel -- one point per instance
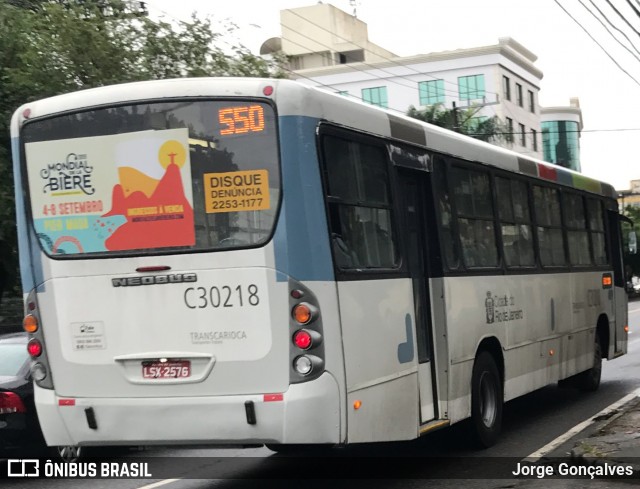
(163, 316)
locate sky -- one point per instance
(572, 62)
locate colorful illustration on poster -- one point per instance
(112, 193)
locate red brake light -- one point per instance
(11, 403)
(302, 339)
(34, 347)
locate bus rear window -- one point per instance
(185, 175)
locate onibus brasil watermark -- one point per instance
(51, 469)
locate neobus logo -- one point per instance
(174, 278)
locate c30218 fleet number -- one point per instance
(221, 296)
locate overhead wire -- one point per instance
(614, 26)
(613, 7)
(413, 85)
(391, 60)
(599, 45)
(336, 89)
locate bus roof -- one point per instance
(294, 98)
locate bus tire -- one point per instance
(589, 380)
(486, 400)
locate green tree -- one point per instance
(465, 121)
(49, 47)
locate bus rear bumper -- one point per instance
(307, 413)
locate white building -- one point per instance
(330, 49)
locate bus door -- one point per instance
(413, 185)
(619, 340)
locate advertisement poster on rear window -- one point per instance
(112, 193)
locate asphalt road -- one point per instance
(440, 459)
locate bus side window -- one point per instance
(360, 211)
(515, 222)
(445, 215)
(474, 210)
(549, 226)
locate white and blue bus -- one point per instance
(243, 261)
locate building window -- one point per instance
(431, 92)
(519, 94)
(506, 87)
(471, 87)
(561, 143)
(509, 129)
(343, 93)
(375, 96)
(532, 102)
(523, 136)
(534, 139)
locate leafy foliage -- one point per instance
(50, 47)
(464, 121)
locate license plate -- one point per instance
(173, 369)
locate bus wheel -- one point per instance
(486, 400)
(589, 380)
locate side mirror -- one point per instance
(633, 243)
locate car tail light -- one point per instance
(34, 347)
(11, 402)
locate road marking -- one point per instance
(159, 483)
(549, 447)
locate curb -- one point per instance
(606, 449)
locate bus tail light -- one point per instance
(34, 347)
(38, 372)
(30, 323)
(304, 313)
(303, 365)
(302, 339)
(626, 328)
(306, 349)
(305, 339)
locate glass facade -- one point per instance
(561, 143)
(471, 87)
(431, 92)
(375, 96)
